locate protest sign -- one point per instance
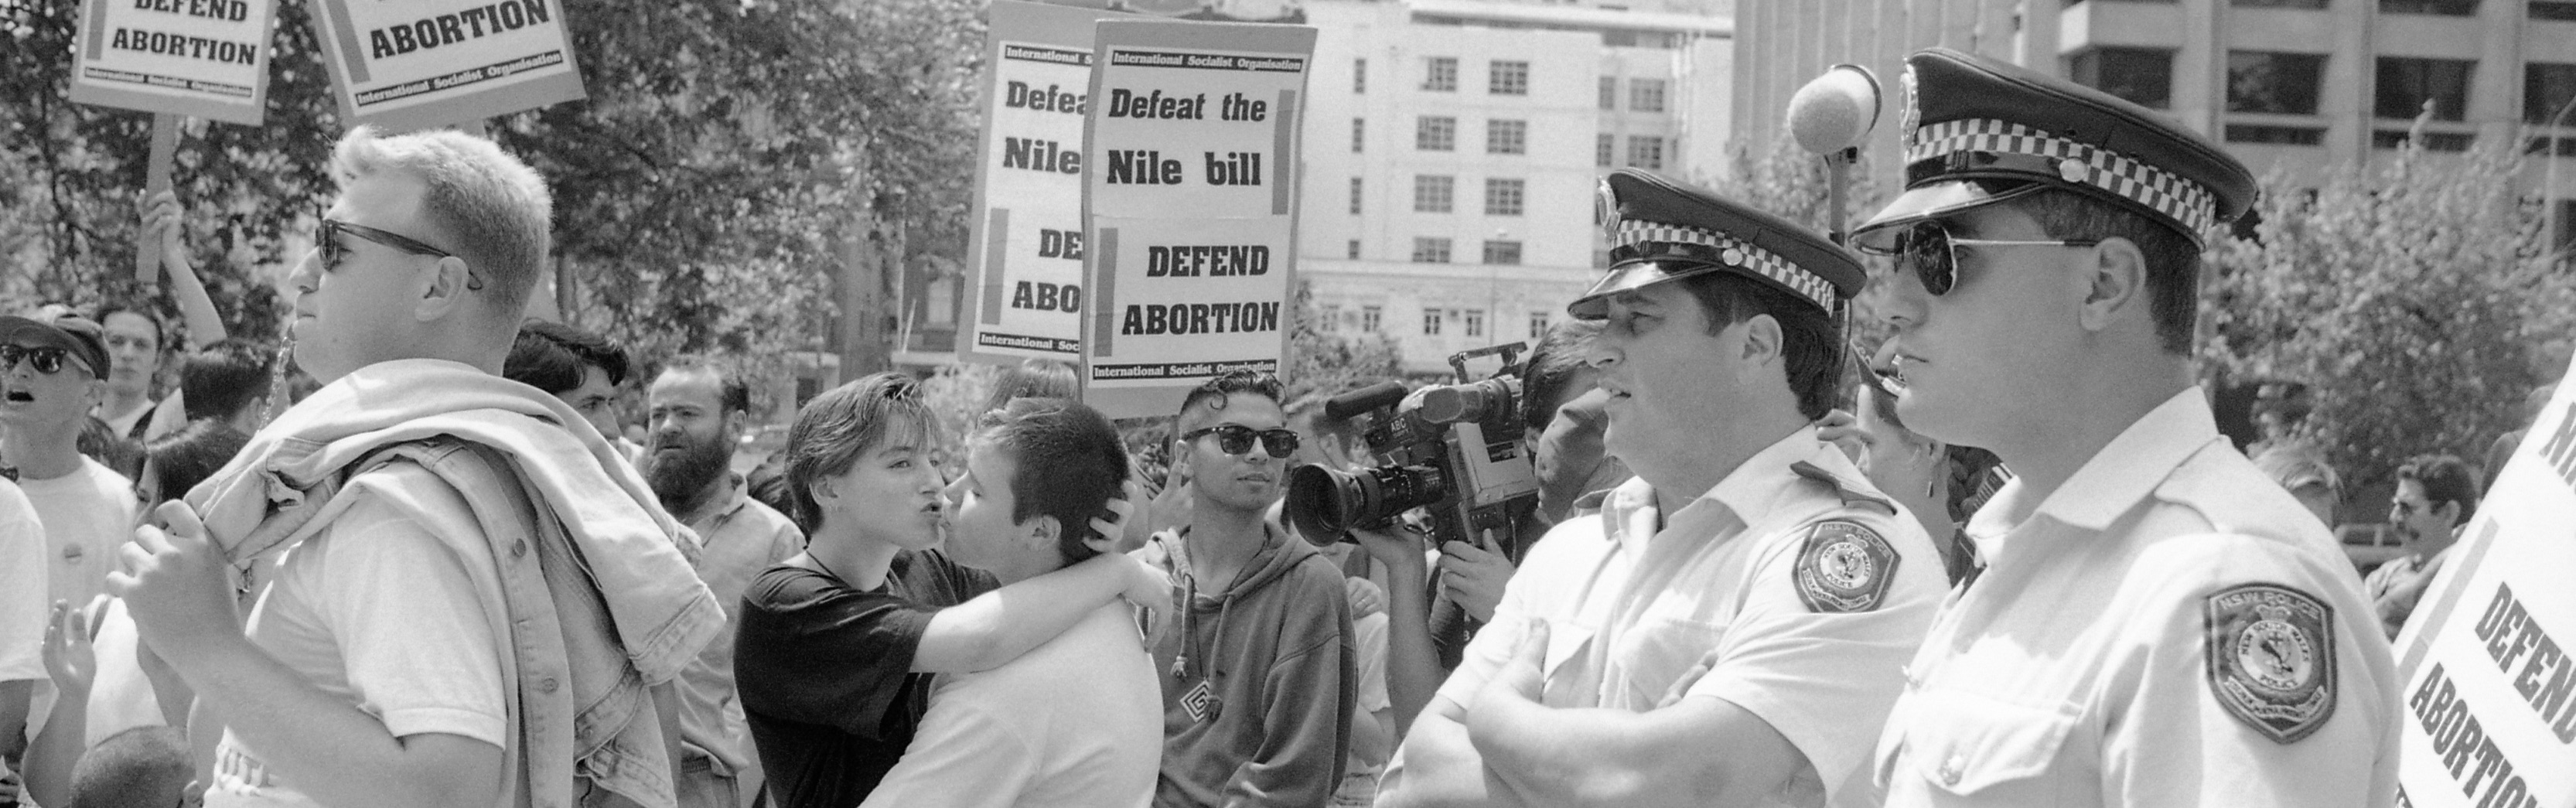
(424, 63)
(1192, 202)
(1025, 247)
(2488, 716)
(206, 58)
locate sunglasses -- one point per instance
(46, 360)
(1929, 251)
(333, 250)
(1235, 439)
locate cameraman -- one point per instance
(1731, 628)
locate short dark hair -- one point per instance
(1810, 345)
(182, 459)
(842, 423)
(143, 766)
(1071, 463)
(2172, 256)
(554, 357)
(1213, 392)
(2446, 478)
(147, 311)
(218, 380)
(734, 391)
(1032, 378)
(1553, 364)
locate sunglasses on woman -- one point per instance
(47, 360)
(1236, 439)
(1928, 250)
(333, 250)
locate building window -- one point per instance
(1359, 76)
(2142, 76)
(1431, 322)
(2566, 231)
(1440, 74)
(1503, 253)
(1507, 78)
(1355, 196)
(1475, 322)
(1369, 317)
(2447, 8)
(1430, 250)
(1603, 148)
(1436, 133)
(2306, 4)
(1646, 95)
(1359, 134)
(2562, 10)
(1328, 319)
(1609, 92)
(1538, 324)
(2274, 83)
(1506, 137)
(2433, 141)
(2540, 145)
(2277, 135)
(1646, 151)
(1434, 193)
(2406, 84)
(1503, 197)
(1355, 249)
(2546, 89)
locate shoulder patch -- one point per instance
(1844, 567)
(2272, 658)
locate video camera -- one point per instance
(1454, 450)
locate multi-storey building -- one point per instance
(1452, 149)
(2297, 85)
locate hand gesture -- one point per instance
(1112, 532)
(175, 583)
(161, 220)
(1397, 546)
(69, 659)
(1364, 597)
(1473, 577)
(1150, 591)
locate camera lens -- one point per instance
(1323, 504)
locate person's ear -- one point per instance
(822, 490)
(1042, 531)
(1761, 339)
(2115, 284)
(443, 289)
(2449, 510)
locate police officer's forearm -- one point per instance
(1436, 767)
(1702, 751)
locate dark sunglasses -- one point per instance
(2404, 508)
(46, 360)
(1929, 251)
(1235, 439)
(333, 250)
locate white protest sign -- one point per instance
(2489, 710)
(204, 58)
(1026, 244)
(416, 64)
(1192, 201)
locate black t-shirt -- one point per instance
(824, 672)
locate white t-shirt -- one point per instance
(378, 610)
(88, 514)
(120, 696)
(1077, 721)
(22, 588)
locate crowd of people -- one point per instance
(2003, 558)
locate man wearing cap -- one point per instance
(1728, 629)
(53, 369)
(2157, 623)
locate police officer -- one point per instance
(2157, 623)
(1741, 608)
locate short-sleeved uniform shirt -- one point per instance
(2168, 628)
(1805, 588)
(825, 673)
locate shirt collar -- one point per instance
(728, 503)
(2124, 473)
(1745, 494)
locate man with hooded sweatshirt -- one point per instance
(1259, 682)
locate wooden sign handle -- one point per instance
(156, 179)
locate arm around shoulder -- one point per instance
(998, 626)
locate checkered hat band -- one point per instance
(1734, 252)
(2162, 191)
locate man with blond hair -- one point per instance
(478, 598)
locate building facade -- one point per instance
(2300, 86)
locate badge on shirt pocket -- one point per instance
(1844, 567)
(2271, 659)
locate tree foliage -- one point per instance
(1332, 363)
(2409, 297)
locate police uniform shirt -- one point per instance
(1806, 589)
(2168, 628)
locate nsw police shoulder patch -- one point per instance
(1844, 567)
(2271, 658)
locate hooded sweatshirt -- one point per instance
(1259, 682)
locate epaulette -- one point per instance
(1850, 493)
